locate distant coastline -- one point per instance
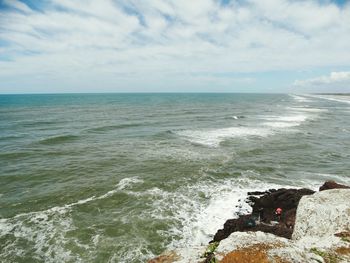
(333, 94)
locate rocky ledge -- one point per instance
(312, 227)
(263, 217)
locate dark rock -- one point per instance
(265, 206)
(332, 185)
(257, 193)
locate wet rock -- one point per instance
(321, 234)
(322, 223)
(258, 193)
(264, 208)
(167, 257)
(332, 185)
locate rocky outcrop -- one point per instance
(323, 214)
(321, 234)
(321, 230)
(333, 185)
(181, 255)
(264, 211)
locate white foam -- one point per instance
(284, 121)
(337, 98)
(315, 180)
(300, 98)
(47, 229)
(225, 199)
(215, 136)
(281, 124)
(5, 227)
(126, 182)
(43, 229)
(199, 220)
(203, 208)
(307, 109)
(293, 118)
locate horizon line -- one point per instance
(171, 92)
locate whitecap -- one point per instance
(284, 121)
(44, 230)
(290, 118)
(127, 182)
(337, 98)
(215, 136)
(47, 229)
(307, 109)
(281, 124)
(225, 199)
(300, 98)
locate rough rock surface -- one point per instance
(323, 213)
(277, 249)
(181, 255)
(321, 231)
(333, 185)
(265, 206)
(320, 234)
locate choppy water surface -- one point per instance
(123, 177)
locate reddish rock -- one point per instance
(332, 185)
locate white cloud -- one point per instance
(332, 79)
(121, 41)
(17, 5)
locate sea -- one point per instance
(124, 177)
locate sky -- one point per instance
(274, 46)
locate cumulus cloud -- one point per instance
(155, 43)
(333, 78)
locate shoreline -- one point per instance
(256, 234)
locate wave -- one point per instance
(234, 117)
(306, 109)
(37, 123)
(284, 121)
(59, 139)
(300, 98)
(10, 137)
(123, 184)
(206, 206)
(278, 124)
(194, 213)
(127, 182)
(338, 98)
(270, 125)
(14, 155)
(315, 180)
(216, 136)
(114, 127)
(46, 230)
(201, 209)
(291, 118)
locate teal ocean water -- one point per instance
(123, 177)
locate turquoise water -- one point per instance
(123, 177)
